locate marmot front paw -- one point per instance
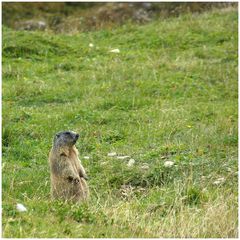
(73, 180)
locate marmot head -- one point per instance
(66, 138)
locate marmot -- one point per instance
(67, 173)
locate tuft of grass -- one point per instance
(169, 95)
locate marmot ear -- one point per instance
(57, 135)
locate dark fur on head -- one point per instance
(65, 138)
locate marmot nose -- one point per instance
(77, 136)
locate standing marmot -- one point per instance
(67, 173)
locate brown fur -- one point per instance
(67, 174)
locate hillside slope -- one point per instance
(169, 95)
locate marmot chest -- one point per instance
(73, 158)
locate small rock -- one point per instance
(21, 208)
(32, 25)
(168, 164)
(131, 162)
(123, 157)
(141, 16)
(115, 50)
(91, 45)
(112, 154)
(147, 5)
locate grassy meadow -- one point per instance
(170, 95)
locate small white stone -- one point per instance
(168, 164)
(91, 45)
(115, 50)
(21, 208)
(112, 154)
(123, 157)
(86, 157)
(131, 162)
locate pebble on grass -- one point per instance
(123, 157)
(112, 154)
(21, 208)
(131, 162)
(168, 164)
(115, 50)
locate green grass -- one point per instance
(169, 95)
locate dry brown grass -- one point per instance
(215, 218)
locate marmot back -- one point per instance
(67, 173)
